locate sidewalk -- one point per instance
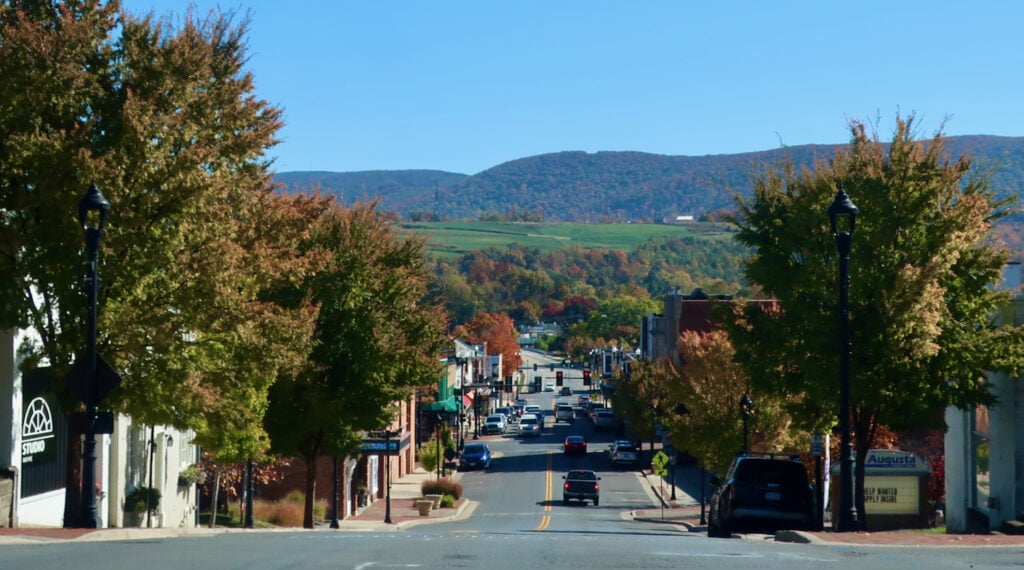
(404, 514)
(685, 512)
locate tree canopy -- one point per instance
(164, 121)
(375, 338)
(921, 307)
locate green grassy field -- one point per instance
(457, 238)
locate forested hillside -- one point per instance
(611, 186)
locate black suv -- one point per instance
(762, 492)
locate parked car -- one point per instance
(575, 445)
(529, 426)
(605, 419)
(623, 452)
(475, 456)
(581, 485)
(495, 424)
(762, 492)
(565, 391)
(565, 413)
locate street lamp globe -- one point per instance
(93, 203)
(842, 213)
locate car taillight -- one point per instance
(597, 486)
(565, 486)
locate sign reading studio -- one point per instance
(43, 435)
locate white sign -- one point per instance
(36, 428)
(892, 495)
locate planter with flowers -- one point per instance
(191, 475)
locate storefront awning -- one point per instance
(448, 406)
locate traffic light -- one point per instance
(552, 366)
(558, 378)
(586, 378)
(534, 366)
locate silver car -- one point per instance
(529, 426)
(495, 424)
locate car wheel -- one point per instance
(596, 502)
(565, 501)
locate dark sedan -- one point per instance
(575, 445)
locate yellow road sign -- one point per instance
(661, 471)
(660, 459)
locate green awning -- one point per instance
(449, 406)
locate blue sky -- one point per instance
(463, 86)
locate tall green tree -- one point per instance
(921, 309)
(163, 119)
(375, 339)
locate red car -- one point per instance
(575, 444)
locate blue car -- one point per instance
(475, 455)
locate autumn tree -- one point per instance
(375, 339)
(698, 403)
(921, 306)
(500, 335)
(165, 122)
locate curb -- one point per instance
(463, 512)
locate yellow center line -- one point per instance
(545, 521)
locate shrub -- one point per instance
(448, 501)
(428, 456)
(284, 513)
(288, 512)
(137, 500)
(443, 486)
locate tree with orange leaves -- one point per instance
(500, 335)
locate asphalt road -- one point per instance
(519, 522)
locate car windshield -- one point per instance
(495, 418)
(625, 448)
(474, 448)
(528, 421)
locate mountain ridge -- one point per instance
(611, 185)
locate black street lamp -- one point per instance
(842, 216)
(92, 214)
(387, 476)
(334, 492)
(250, 492)
(476, 414)
(439, 418)
(746, 407)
